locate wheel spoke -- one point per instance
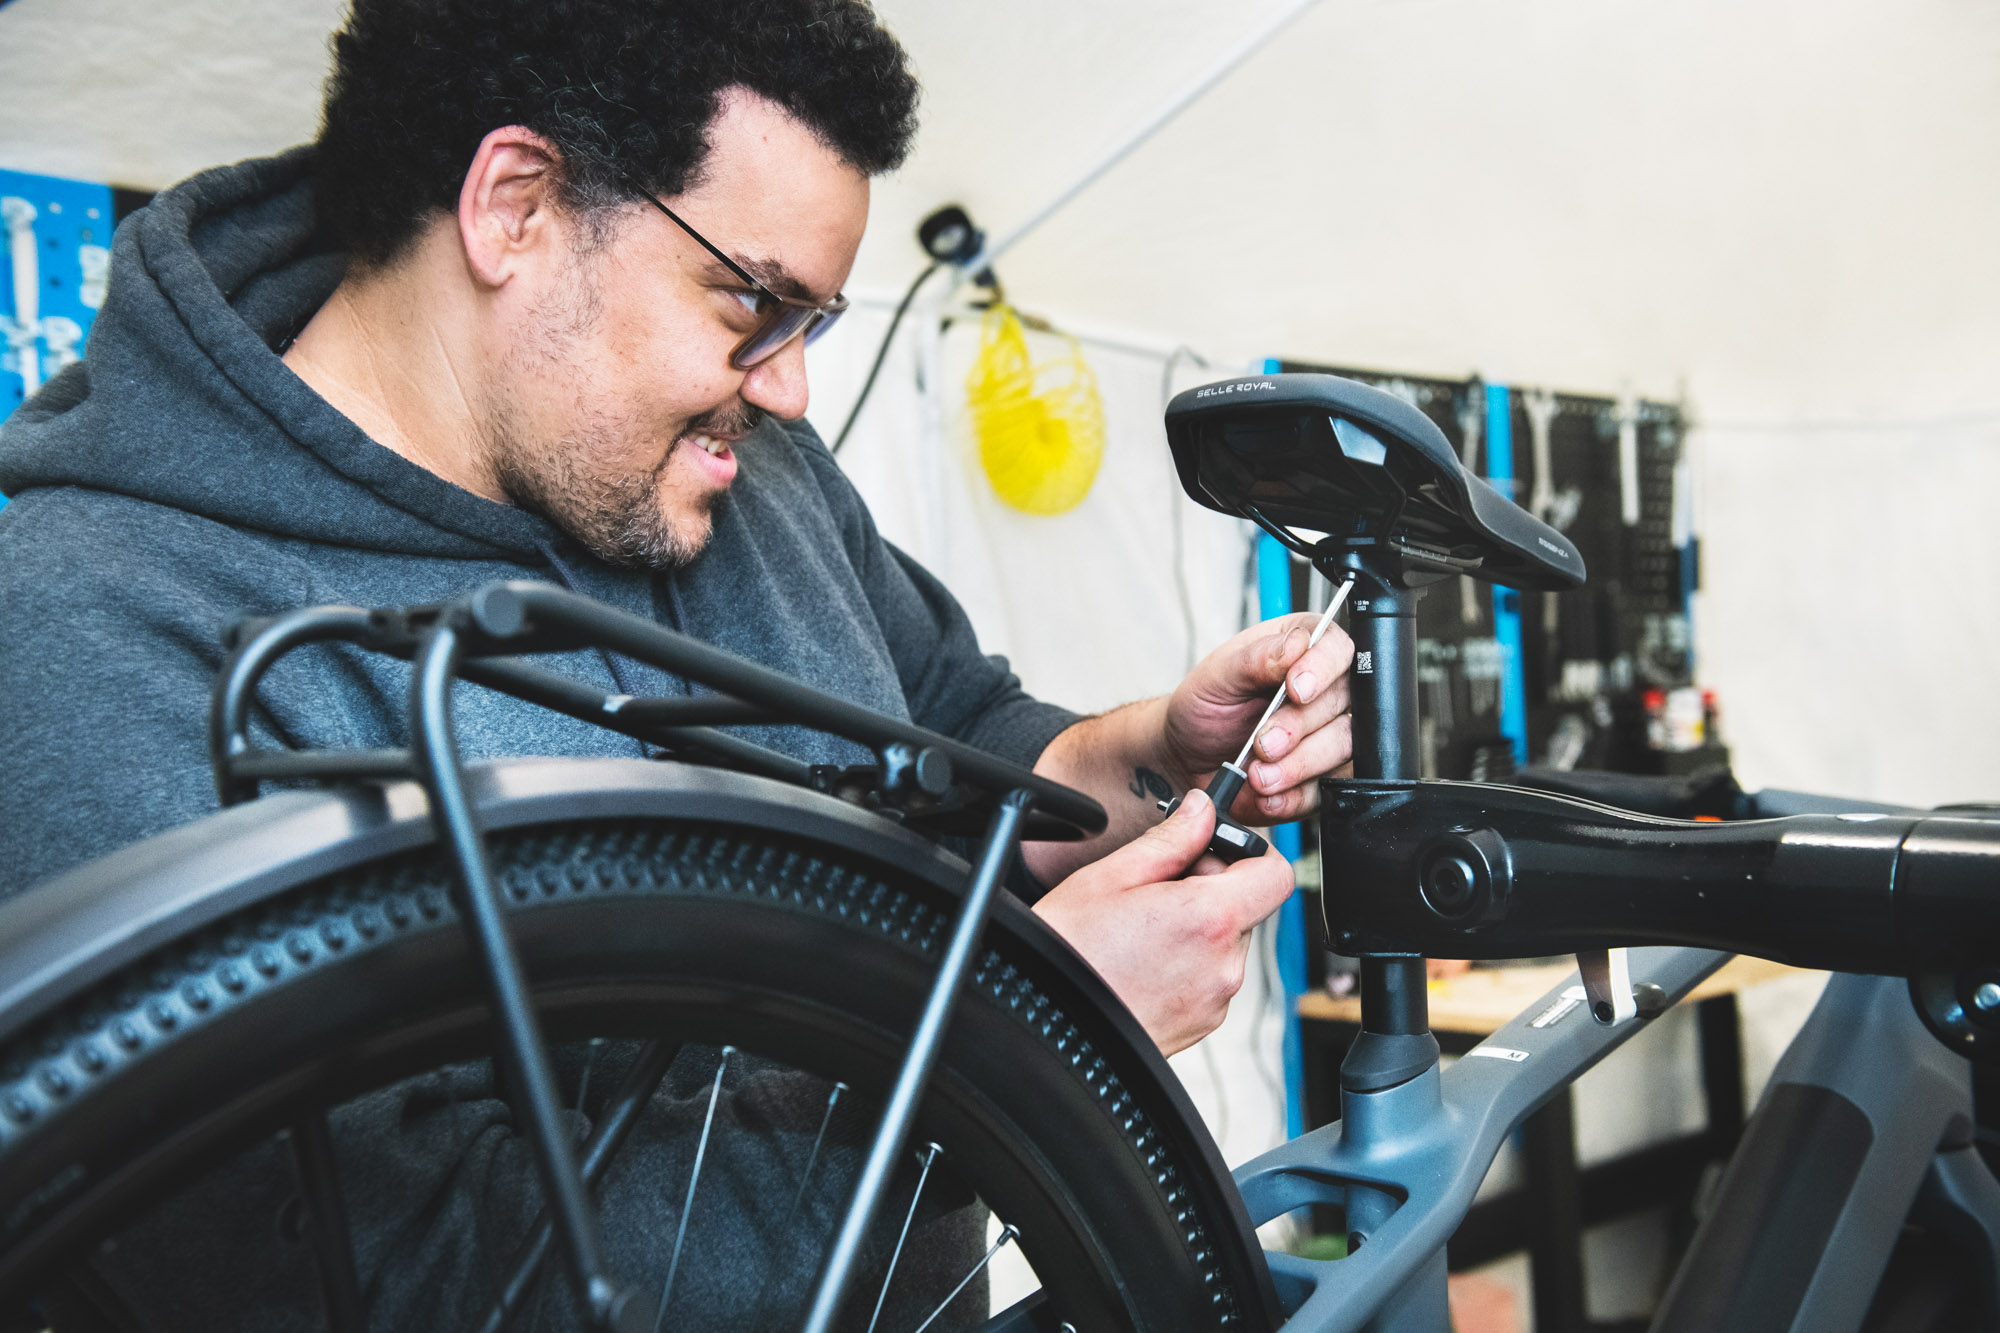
(903, 1236)
(1007, 1233)
(326, 1211)
(805, 1179)
(694, 1178)
(589, 1063)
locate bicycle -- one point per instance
(245, 989)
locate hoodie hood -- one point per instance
(183, 400)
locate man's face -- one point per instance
(615, 410)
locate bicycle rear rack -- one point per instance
(922, 779)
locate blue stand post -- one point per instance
(1274, 598)
(1507, 602)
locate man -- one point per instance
(533, 307)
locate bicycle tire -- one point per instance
(725, 907)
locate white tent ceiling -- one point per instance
(1782, 207)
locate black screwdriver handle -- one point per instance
(1231, 841)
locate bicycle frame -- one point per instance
(1405, 1162)
(1414, 1141)
(1867, 1117)
(1865, 1124)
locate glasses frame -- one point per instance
(812, 320)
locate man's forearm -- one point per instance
(1118, 757)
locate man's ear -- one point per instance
(507, 207)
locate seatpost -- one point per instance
(1383, 625)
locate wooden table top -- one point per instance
(1486, 998)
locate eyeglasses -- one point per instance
(784, 317)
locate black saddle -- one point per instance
(1329, 455)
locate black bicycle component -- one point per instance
(1862, 1143)
(1383, 625)
(237, 765)
(630, 889)
(910, 784)
(502, 620)
(1231, 841)
(258, 643)
(1395, 1043)
(478, 637)
(1712, 792)
(1478, 871)
(620, 1114)
(1003, 843)
(524, 1055)
(326, 1224)
(1333, 456)
(1399, 511)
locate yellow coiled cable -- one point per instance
(1039, 426)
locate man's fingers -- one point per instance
(1298, 802)
(1295, 803)
(1293, 721)
(1260, 656)
(1320, 752)
(1326, 662)
(1285, 648)
(1163, 851)
(1255, 886)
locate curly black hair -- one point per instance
(625, 90)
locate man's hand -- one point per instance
(1209, 716)
(1168, 939)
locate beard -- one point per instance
(644, 519)
(632, 520)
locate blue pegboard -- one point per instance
(66, 226)
(1506, 601)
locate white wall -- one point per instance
(1852, 618)
(143, 93)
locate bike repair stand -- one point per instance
(1390, 1078)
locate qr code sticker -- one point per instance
(1364, 663)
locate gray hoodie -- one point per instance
(183, 477)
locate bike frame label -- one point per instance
(1558, 1011)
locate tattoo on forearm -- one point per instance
(1150, 786)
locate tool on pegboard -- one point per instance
(58, 257)
(1628, 459)
(1542, 407)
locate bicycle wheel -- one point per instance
(304, 958)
